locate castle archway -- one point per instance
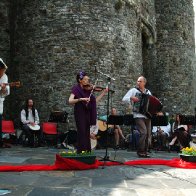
(148, 56)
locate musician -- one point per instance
(142, 122)
(30, 122)
(84, 111)
(4, 91)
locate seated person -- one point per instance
(180, 133)
(30, 122)
(162, 133)
(134, 136)
(113, 128)
(117, 130)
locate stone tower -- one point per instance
(175, 53)
(4, 31)
(50, 41)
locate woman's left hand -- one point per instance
(85, 99)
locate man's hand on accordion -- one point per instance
(134, 99)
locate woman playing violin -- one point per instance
(84, 110)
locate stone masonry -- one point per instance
(51, 40)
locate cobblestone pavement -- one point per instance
(107, 181)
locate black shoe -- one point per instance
(116, 147)
(143, 155)
(147, 155)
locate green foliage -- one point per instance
(74, 153)
(189, 151)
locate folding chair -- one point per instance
(8, 127)
(50, 132)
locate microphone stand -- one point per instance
(106, 157)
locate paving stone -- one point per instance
(160, 192)
(111, 181)
(12, 159)
(19, 178)
(104, 191)
(50, 191)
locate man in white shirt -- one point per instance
(142, 122)
(30, 121)
(4, 91)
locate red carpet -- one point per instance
(70, 164)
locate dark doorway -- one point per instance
(148, 60)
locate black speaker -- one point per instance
(115, 120)
(58, 116)
(128, 119)
(187, 120)
(159, 120)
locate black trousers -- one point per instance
(29, 134)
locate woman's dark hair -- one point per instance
(176, 123)
(80, 76)
(26, 108)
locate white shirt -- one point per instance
(166, 129)
(30, 117)
(133, 92)
(3, 79)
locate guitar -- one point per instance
(12, 84)
(102, 126)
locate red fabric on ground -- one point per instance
(176, 162)
(20, 168)
(71, 164)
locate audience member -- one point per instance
(30, 122)
(180, 133)
(161, 133)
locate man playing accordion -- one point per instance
(134, 96)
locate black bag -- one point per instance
(58, 116)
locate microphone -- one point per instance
(109, 77)
(106, 75)
(95, 66)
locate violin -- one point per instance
(13, 84)
(89, 87)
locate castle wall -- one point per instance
(175, 52)
(4, 30)
(5, 40)
(47, 42)
(56, 39)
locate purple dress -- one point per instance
(85, 115)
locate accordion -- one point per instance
(149, 105)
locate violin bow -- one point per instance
(92, 89)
